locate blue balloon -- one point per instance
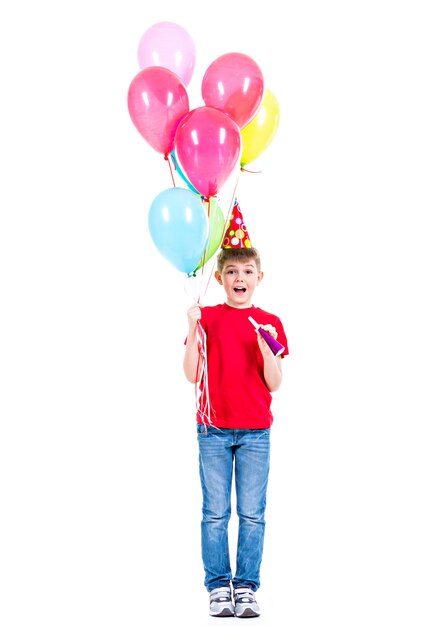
(179, 227)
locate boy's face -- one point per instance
(239, 279)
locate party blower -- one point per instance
(276, 347)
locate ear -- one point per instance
(218, 277)
(260, 277)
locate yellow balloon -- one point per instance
(258, 133)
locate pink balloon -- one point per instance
(168, 45)
(208, 146)
(234, 84)
(157, 101)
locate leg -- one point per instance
(252, 461)
(215, 462)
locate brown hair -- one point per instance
(238, 254)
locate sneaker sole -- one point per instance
(224, 613)
(247, 613)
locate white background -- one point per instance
(100, 500)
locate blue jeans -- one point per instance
(248, 451)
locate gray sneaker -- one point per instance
(221, 603)
(245, 603)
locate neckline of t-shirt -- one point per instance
(239, 308)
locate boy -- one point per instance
(233, 426)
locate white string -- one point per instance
(202, 395)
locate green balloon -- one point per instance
(216, 231)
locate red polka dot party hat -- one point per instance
(236, 235)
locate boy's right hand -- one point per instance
(194, 315)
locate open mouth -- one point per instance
(240, 290)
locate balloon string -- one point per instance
(203, 258)
(202, 396)
(227, 220)
(171, 170)
(251, 171)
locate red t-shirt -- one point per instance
(239, 397)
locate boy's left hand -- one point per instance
(270, 329)
(261, 341)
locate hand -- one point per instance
(265, 348)
(270, 329)
(194, 315)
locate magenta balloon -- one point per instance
(234, 84)
(168, 45)
(208, 146)
(157, 101)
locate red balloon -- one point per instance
(157, 101)
(208, 146)
(234, 84)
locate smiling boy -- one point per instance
(236, 377)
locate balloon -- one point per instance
(234, 84)
(168, 45)
(179, 227)
(180, 172)
(259, 132)
(157, 101)
(208, 145)
(216, 231)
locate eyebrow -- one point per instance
(251, 265)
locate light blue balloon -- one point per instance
(179, 227)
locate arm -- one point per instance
(272, 364)
(191, 360)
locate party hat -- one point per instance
(236, 235)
